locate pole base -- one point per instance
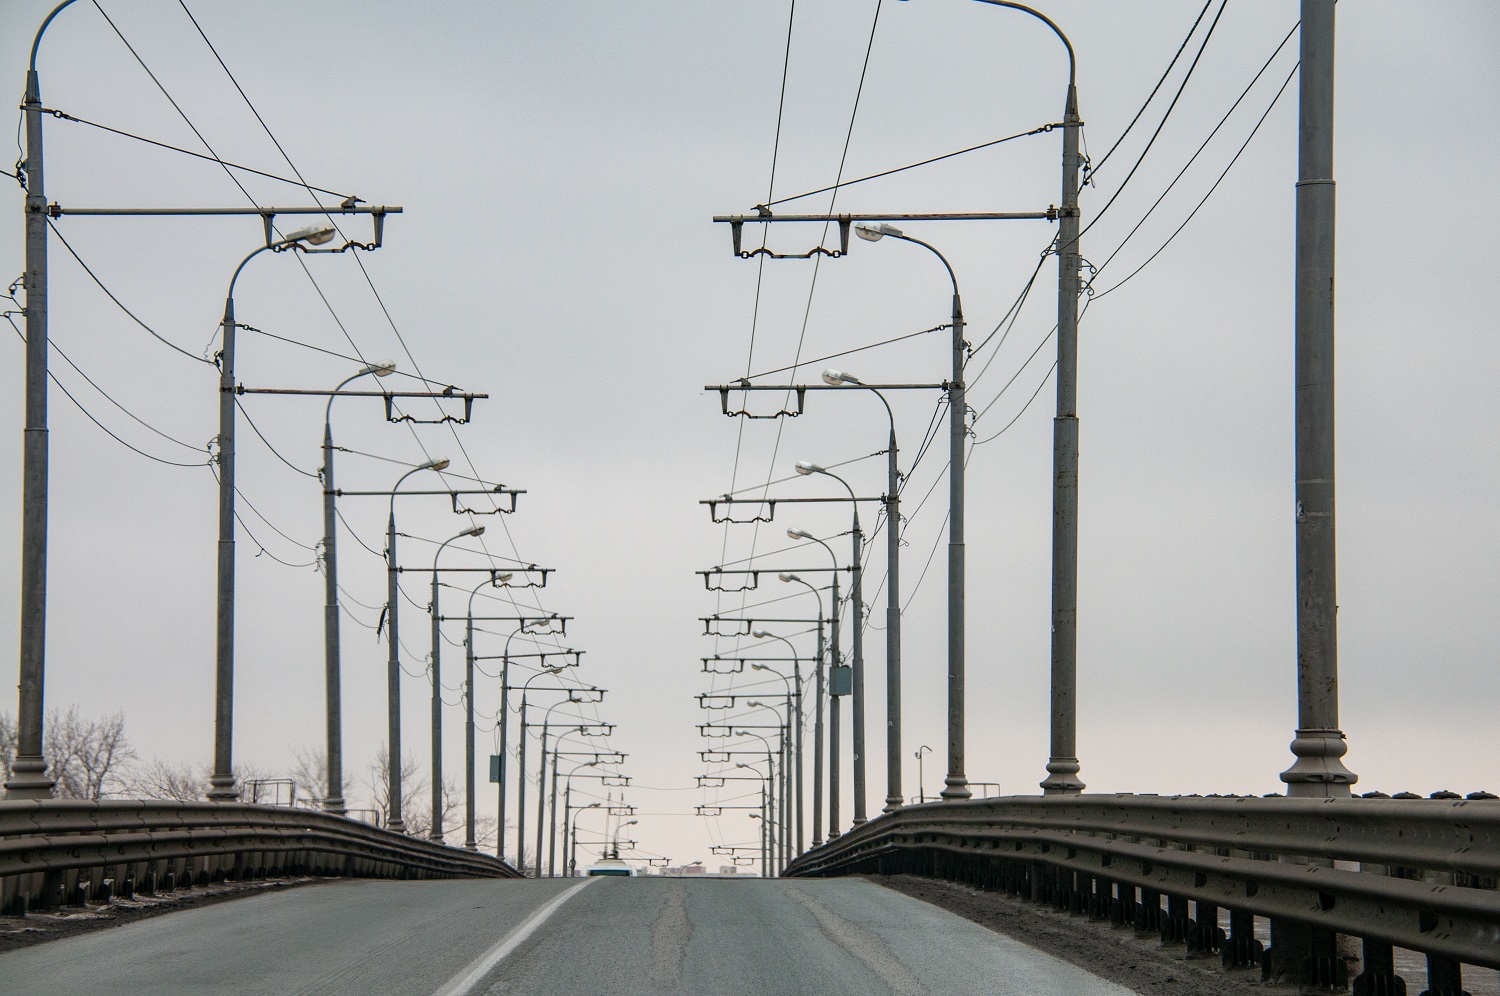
(397, 826)
(892, 803)
(1318, 771)
(335, 805)
(471, 845)
(222, 788)
(956, 789)
(28, 778)
(1062, 777)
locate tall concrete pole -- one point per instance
(819, 692)
(1319, 744)
(469, 841)
(1062, 766)
(893, 793)
(393, 819)
(222, 782)
(28, 778)
(521, 794)
(504, 748)
(333, 802)
(541, 795)
(957, 784)
(435, 832)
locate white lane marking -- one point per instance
(465, 981)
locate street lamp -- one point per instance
(394, 818)
(435, 832)
(334, 801)
(834, 692)
(921, 783)
(572, 847)
(222, 784)
(615, 846)
(1062, 764)
(469, 842)
(817, 731)
(772, 825)
(956, 785)
(893, 795)
(783, 714)
(765, 823)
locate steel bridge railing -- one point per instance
(57, 851)
(1415, 873)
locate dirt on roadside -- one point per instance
(1139, 962)
(38, 928)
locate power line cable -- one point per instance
(1211, 190)
(1152, 95)
(1039, 130)
(64, 116)
(1162, 124)
(263, 439)
(110, 294)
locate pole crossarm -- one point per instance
(528, 624)
(763, 216)
(749, 622)
(453, 493)
(754, 575)
(530, 582)
(769, 503)
(571, 692)
(723, 756)
(389, 396)
(801, 391)
(267, 216)
(575, 662)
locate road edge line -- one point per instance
(473, 973)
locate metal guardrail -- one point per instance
(65, 851)
(1414, 873)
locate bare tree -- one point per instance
(7, 744)
(85, 756)
(310, 775)
(167, 782)
(416, 810)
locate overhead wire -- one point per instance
(118, 303)
(1203, 46)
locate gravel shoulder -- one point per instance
(39, 928)
(1137, 961)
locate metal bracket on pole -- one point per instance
(782, 413)
(749, 624)
(708, 575)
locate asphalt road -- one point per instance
(601, 936)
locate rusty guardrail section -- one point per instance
(58, 851)
(1414, 873)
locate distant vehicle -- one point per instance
(611, 866)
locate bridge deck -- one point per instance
(835, 938)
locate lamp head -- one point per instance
(789, 577)
(874, 233)
(476, 531)
(805, 467)
(441, 463)
(834, 378)
(761, 634)
(384, 369)
(502, 578)
(800, 534)
(313, 235)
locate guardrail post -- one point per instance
(1148, 912)
(1205, 935)
(1304, 953)
(1377, 976)
(1241, 949)
(1445, 977)
(1174, 927)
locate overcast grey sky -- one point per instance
(559, 165)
